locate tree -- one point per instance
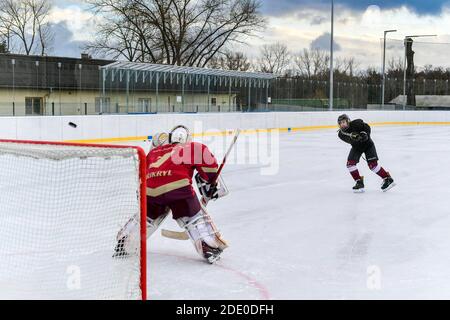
(274, 58)
(181, 32)
(395, 68)
(3, 47)
(122, 42)
(229, 60)
(347, 66)
(24, 23)
(312, 63)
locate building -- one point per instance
(41, 85)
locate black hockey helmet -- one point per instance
(343, 117)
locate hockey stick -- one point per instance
(219, 171)
(176, 235)
(182, 235)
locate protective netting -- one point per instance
(61, 208)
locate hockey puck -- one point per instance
(73, 125)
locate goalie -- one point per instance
(171, 164)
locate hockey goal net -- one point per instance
(61, 208)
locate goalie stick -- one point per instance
(183, 235)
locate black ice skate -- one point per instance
(119, 251)
(211, 254)
(388, 183)
(359, 186)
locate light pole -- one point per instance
(331, 57)
(405, 42)
(383, 84)
(13, 62)
(59, 85)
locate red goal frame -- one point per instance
(143, 199)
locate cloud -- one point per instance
(323, 43)
(80, 21)
(299, 24)
(280, 7)
(64, 43)
(316, 20)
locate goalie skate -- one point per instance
(211, 254)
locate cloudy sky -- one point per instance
(299, 24)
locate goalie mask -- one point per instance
(159, 139)
(179, 134)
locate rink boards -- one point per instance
(117, 128)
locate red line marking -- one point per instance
(263, 291)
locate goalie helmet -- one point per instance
(159, 139)
(179, 134)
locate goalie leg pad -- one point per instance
(126, 239)
(153, 224)
(204, 234)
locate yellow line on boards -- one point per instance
(254, 131)
(106, 140)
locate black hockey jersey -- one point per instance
(356, 127)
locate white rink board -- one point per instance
(124, 126)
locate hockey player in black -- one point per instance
(357, 134)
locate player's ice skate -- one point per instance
(359, 186)
(388, 184)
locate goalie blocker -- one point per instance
(171, 165)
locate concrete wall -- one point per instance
(74, 102)
(107, 128)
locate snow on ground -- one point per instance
(303, 234)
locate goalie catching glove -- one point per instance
(208, 191)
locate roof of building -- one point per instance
(83, 59)
(163, 68)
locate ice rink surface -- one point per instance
(303, 234)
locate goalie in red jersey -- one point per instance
(171, 165)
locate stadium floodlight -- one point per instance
(383, 85)
(405, 42)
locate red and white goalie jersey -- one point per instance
(171, 168)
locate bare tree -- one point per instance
(182, 32)
(25, 24)
(3, 47)
(41, 10)
(347, 65)
(395, 67)
(395, 64)
(231, 61)
(274, 58)
(312, 62)
(5, 28)
(122, 42)
(351, 66)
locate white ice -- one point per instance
(303, 234)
